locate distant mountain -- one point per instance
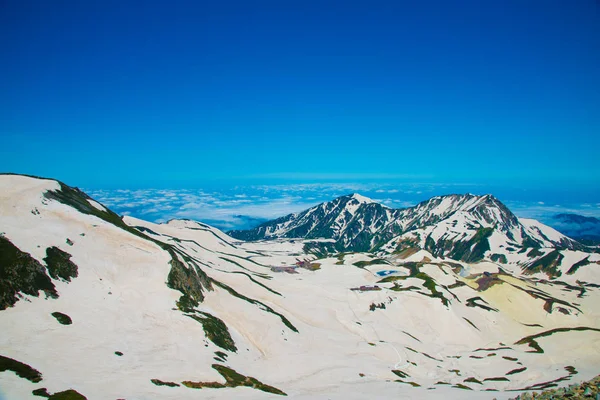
(354, 221)
(579, 227)
(455, 226)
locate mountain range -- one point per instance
(453, 298)
(584, 229)
(466, 228)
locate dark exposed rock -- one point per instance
(584, 390)
(21, 369)
(60, 265)
(62, 318)
(70, 394)
(233, 379)
(21, 273)
(189, 279)
(215, 330)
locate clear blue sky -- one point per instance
(177, 93)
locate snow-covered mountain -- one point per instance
(353, 221)
(98, 306)
(461, 227)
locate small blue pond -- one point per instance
(385, 272)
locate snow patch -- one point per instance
(96, 205)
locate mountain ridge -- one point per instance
(445, 221)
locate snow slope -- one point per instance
(435, 327)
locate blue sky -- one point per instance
(503, 95)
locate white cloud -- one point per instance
(262, 202)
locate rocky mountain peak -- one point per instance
(361, 199)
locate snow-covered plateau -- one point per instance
(453, 298)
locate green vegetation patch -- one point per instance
(474, 302)
(571, 370)
(374, 306)
(392, 278)
(461, 386)
(516, 371)
(70, 394)
(62, 318)
(255, 281)
(21, 369)
(65, 395)
(215, 330)
(530, 340)
(262, 306)
(501, 258)
(158, 382)
(362, 264)
(497, 379)
(547, 264)
(470, 323)
(430, 284)
(320, 249)
(233, 379)
(41, 392)
(589, 390)
(398, 288)
(189, 279)
(21, 273)
(578, 265)
(200, 385)
(406, 333)
(457, 284)
(469, 251)
(414, 272)
(60, 265)
(413, 384)
(534, 253)
(400, 373)
(432, 358)
(553, 383)
(493, 348)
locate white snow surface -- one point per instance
(343, 349)
(96, 205)
(542, 232)
(362, 199)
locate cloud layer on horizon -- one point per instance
(243, 207)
